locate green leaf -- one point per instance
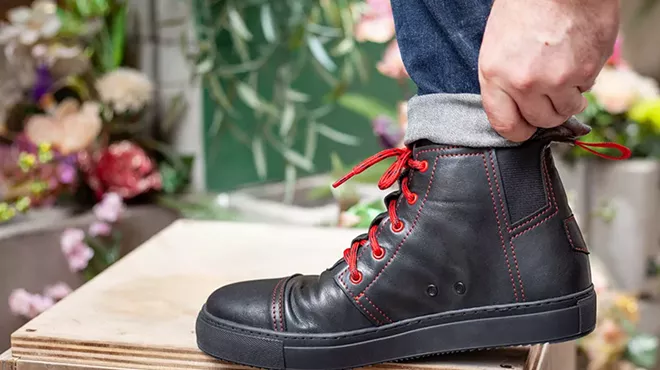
(100, 7)
(248, 95)
(118, 35)
(290, 176)
(168, 178)
(296, 96)
(337, 136)
(216, 125)
(237, 23)
(311, 140)
(72, 26)
(259, 157)
(320, 54)
(643, 350)
(366, 106)
(83, 7)
(288, 117)
(205, 66)
(366, 212)
(219, 94)
(267, 24)
(344, 47)
(251, 98)
(176, 179)
(292, 156)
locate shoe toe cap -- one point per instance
(247, 303)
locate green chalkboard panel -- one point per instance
(230, 164)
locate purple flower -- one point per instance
(387, 131)
(66, 173)
(43, 84)
(100, 229)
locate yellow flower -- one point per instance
(646, 111)
(629, 306)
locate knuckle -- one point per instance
(489, 70)
(560, 79)
(523, 82)
(589, 71)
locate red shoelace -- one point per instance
(403, 161)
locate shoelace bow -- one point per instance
(403, 161)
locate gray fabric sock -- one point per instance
(460, 119)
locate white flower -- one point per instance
(29, 25)
(125, 90)
(618, 89)
(56, 51)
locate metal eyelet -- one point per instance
(425, 166)
(356, 279)
(413, 199)
(379, 255)
(398, 227)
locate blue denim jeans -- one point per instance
(440, 42)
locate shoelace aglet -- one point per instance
(347, 177)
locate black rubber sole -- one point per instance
(549, 321)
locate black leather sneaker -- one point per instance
(478, 249)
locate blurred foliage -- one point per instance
(241, 43)
(638, 128)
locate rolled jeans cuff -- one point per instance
(460, 119)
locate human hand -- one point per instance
(538, 57)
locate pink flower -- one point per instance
(616, 59)
(377, 24)
(39, 304)
(75, 250)
(19, 302)
(58, 291)
(110, 208)
(392, 65)
(70, 240)
(100, 229)
(23, 303)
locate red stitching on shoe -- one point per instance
(437, 150)
(499, 226)
(357, 300)
(376, 307)
(570, 239)
(515, 260)
(274, 304)
(506, 219)
(282, 306)
(419, 212)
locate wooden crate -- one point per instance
(140, 313)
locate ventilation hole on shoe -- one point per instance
(432, 290)
(506, 366)
(460, 288)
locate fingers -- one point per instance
(503, 113)
(569, 102)
(538, 110)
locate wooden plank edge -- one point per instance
(7, 361)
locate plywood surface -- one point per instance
(140, 314)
